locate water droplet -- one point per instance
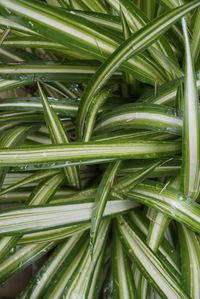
(38, 280)
(31, 23)
(181, 198)
(189, 200)
(22, 77)
(7, 11)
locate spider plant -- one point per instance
(99, 149)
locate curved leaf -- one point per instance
(76, 33)
(131, 47)
(101, 198)
(21, 258)
(134, 116)
(191, 127)
(30, 179)
(58, 136)
(168, 201)
(149, 264)
(79, 285)
(190, 261)
(45, 276)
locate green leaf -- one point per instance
(191, 126)
(131, 47)
(53, 234)
(166, 252)
(101, 197)
(63, 276)
(111, 22)
(58, 136)
(30, 179)
(150, 9)
(22, 258)
(42, 281)
(190, 261)
(40, 195)
(49, 71)
(172, 3)
(79, 284)
(170, 168)
(99, 100)
(125, 26)
(123, 132)
(134, 116)
(4, 22)
(33, 219)
(157, 228)
(35, 42)
(89, 150)
(136, 20)
(43, 191)
(168, 201)
(95, 5)
(128, 182)
(166, 94)
(149, 264)
(6, 244)
(11, 138)
(76, 33)
(20, 117)
(195, 44)
(160, 221)
(63, 106)
(124, 285)
(9, 84)
(136, 135)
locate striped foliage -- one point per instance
(99, 149)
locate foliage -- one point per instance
(100, 148)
